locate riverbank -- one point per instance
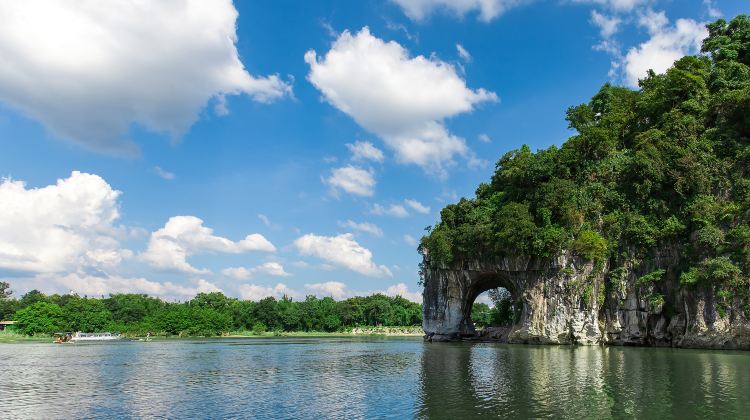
(392, 331)
(413, 331)
(14, 337)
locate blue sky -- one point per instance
(236, 119)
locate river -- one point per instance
(366, 378)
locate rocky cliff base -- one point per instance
(569, 301)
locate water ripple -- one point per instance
(366, 378)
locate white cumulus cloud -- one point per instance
(353, 180)
(88, 69)
(334, 289)
(419, 10)
(666, 44)
(183, 236)
(272, 268)
(103, 285)
(256, 292)
(238, 273)
(341, 250)
(608, 25)
(364, 150)
(60, 227)
(402, 99)
(401, 289)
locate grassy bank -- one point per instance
(392, 331)
(14, 337)
(411, 331)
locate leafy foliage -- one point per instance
(651, 278)
(40, 317)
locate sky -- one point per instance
(285, 148)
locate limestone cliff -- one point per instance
(569, 301)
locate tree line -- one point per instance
(207, 314)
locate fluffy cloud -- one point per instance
(343, 251)
(60, 227)
(608, 26)
(417, 206)
(484, 138)
(238, 273)
(403, 100)
(666, 44)
(334, 289)
(255, 292)
(364, 150)
(419, 10)
(402, 290)
(89, 70)
(363, 227)
(353, 180)
(241, 273)
(102, 285)
(272, 268)
(183, 236)
(653, 21)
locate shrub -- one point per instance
(259, 328)
(651, 278)
(656, 299)
(590, 245)
(715, 271)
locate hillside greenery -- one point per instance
(665, 165)
(208, 314)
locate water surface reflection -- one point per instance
(564, 382)
(366, 378)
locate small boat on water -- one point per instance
(105, 336)
(62, 338)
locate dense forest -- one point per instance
(205, 315)
(667, 165)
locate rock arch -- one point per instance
(557, 298)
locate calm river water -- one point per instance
(366, 378)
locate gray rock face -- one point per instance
(569, 301)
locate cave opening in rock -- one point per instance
(492, 302)
(493, 308)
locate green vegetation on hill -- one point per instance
(666, 165)
(207, 314)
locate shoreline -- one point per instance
(355, 332)
(15, 338)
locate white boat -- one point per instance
(80, 337)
